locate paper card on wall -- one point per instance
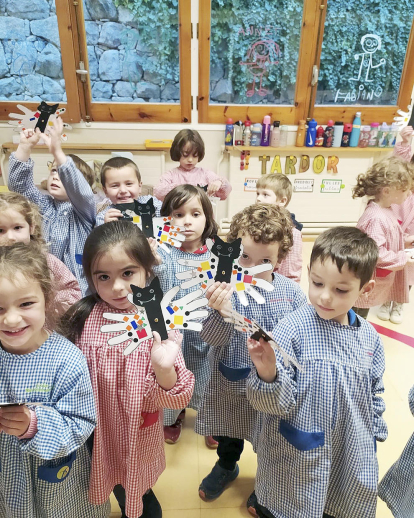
(250, 184)
(331, 186)
(303, 185)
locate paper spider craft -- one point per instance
(155, 312)
(223, 266)
(142, 214)
(42, 118)
(252, 328)
(406, 118)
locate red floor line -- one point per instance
(409, 340)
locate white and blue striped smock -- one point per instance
(225, 409)
(47, 476)
(100, 218)
(317, 447)
(397, 486)
(66, 224)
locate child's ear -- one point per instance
(368, 287)
(32, 229)
(282, 202)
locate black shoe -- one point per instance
(216, 482)
(152, 508)
(251, 504)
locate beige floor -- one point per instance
(190, 460)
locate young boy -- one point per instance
(121, 182)
(317, 448)
(225, 412)
(68, 214)
(277, 190)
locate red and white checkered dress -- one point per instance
(291, 266)
(129, 441)
(391, 283)
(405, 214)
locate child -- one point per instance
(225, 413)
(47, 409)
(20, 222)
(69, 212)
(191, 209)
(403, 149)
(121, 182)
(188, 149)
(130, 391)
(277, 189)
(387, 182)
(396, 488)
(317, 452)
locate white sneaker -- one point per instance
(396, 316)
(384, 311)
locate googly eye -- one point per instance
(230, 249)
(151, 291)
(139, 295)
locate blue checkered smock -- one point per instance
(397, 486)
(194, 349)
(47, 476)
(100, 218)
(66, 224)
(317, 447)
(225, 409)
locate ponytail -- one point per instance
(73, 321)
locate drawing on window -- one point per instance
(370, 43)
(262, 54)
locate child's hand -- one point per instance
(264, 359)
(163, 356)
(112, 215)
(213, 187)
(15, 419)
(406, 134)
(153, 243)
(219, 295)
(54, 142)
(28, 139)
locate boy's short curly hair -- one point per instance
(265, 224)
(278, 183)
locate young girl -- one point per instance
(190, 208)
(188, 149)
(387, 182)
(20, 222)
(47, 409)
(130, 391)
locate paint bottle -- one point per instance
(266, 131)
(319, 136)
(247, 133)
(392, 135)
(311, 134)
(356, 130)
(275, 138)
(228, 133)
(383, 134)
(337, 135)
(346, 135)
(238, 133)
(328, 136)
(256, 134)
(364, 136)
(301, 134)
(373, 138)
(283, 135)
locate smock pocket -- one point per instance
(233, 374)
(302, 441)
(55, 482)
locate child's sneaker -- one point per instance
(216, 482)
(211, 442)
(384, 311)
(172, 433)
(251, 504)
(396, 316)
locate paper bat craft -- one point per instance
(406, 118)
(142, 214)
(42, 118)
(252, 328)
(203, 187)
(155, 312)
(224, 266)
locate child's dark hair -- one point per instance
(350, 246)
(278, 183)
(117, 162)
(181, 140)
(101, 240)
(184, 193)
(265, 224)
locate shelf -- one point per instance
(290, 149)
(11, 146)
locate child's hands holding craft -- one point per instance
(264, 359)
(15, 419)
(219, 295)
(163, 356)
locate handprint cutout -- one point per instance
(38, 119)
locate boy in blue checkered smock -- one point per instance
(397, 486)
(225, 413)
(69, 210)
(191, 209)
(121, 182)
(317, 448)
(47, 409)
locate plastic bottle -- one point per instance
(319, 136)
(266, 131)
(346, 135)
(383, 134)
(337, 136)
(283, 135)
(364, 136)
(301, 134)
(311, 134)
(392, 135)
(228, 133)
(328, 136)
(256, 134)
(247, 133)
(275, 138)
(238, 133)
(373, 138)
(356, 130)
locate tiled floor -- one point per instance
(190, 460)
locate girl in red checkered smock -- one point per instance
(387, 182)
(130, 390)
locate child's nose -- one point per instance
(12, 318)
